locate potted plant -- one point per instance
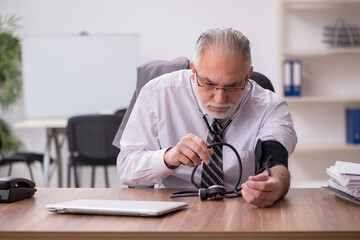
(10, 79)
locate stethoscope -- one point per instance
(215, 191)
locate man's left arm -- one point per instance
(276, 141)
(263, 190)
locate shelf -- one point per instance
(323, 99)
(318, 3)
(302, 148)
(320, 52)
(330, 81)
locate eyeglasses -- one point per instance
(209, 86)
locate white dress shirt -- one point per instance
(166, 111)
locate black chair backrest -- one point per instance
(90, 138)
(262, 80)
(121, 112)
(145, 73)
(156, 68)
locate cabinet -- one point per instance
(330, 84)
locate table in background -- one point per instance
(303, 214)
(54, 128)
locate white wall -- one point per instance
(166, 28)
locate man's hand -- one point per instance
(188, 152)
(263, 190)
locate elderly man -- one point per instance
(177, 115)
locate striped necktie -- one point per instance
(213, 174)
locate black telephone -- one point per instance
(15, 188)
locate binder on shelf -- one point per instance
(353, 125)
(292, 77)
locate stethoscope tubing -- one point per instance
(236, 188)
(229, 194)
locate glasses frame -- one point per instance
(217, 87)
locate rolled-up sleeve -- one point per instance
(278, 125)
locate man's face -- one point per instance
(220, 79)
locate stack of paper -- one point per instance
(345, 177)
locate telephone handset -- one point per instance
(15, 188)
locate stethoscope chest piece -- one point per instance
(214, 192)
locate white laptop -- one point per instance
(116, 207)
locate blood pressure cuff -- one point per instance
(269, 154)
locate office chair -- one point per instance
(121, 112)
(155, 68)
(22, 157)
(262, 80)
(145, 73)
(90, 143)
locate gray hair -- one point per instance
(225, 40)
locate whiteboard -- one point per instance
(66, 76)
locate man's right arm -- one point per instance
(140, 161)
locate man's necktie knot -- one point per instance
(217, 126)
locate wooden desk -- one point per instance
(303, 214)
(54, 128)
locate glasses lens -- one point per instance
(209, 86)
